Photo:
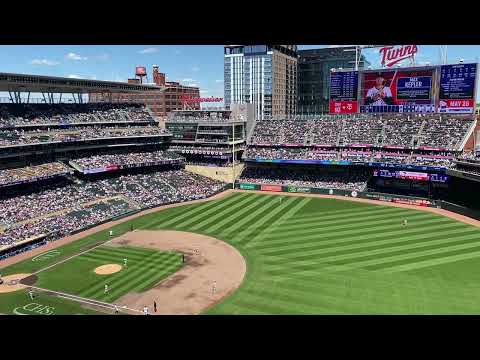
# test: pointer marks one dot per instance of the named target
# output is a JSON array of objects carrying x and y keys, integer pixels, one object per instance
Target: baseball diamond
[
  {"x": 320, "y": 187},
  {"x": 306, "y": 255}
]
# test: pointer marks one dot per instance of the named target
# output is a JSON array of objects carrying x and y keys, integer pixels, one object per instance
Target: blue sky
[{"x": 200, "y": 65}]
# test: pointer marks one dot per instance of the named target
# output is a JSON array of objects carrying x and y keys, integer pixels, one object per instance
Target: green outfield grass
[
  {"x": 145, "y": 268},
  {"x": 320, "y": 256}
]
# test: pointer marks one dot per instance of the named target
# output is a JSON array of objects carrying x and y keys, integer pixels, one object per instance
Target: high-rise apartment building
[
  {"x": 264, "y": 75},
  {"x": 314, "y": 67}
]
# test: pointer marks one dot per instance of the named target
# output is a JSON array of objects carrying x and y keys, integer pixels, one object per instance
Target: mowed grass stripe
[
  {"x": 309, "y": 248},
  {"x": 362, "y": 251},
  {"x": 247, "y": 231},
  {"x": 362, "y": 223},
  {"x": 122, "y": 251},
  {"x": 105, "y": 258},
  {"x": 311, "y": 304},
  {"x": 379, "y": 232},
  {"x": 209, "y": 207},
  {"x": 292, "y": 211},
  {"x": 321, "y": 220},
  {"x": 353, "y": 220},
  {"x": 432, "y": 262},
  {"x": 191, "y": 210},
  {"x": 126, "y": 284},
  {"x": 352, "y": 214},
  {"x": 215, "y": 222},
  {"x": 124, "y": 275},
  {"x": 149, "y": 277},
  {"x": 196, "y": 219},
  {"x": 233, "y": 221},
  {"x": 410, "y": 256},
  {"x": 245, "y": 216},
  {"x": 342, "y": 212}
]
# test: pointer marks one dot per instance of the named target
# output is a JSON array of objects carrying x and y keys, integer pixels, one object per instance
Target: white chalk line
[{"x": 86, "y": 300}]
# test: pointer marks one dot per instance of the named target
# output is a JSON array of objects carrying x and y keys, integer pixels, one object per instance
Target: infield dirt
[{"x": 189, "y": 291}]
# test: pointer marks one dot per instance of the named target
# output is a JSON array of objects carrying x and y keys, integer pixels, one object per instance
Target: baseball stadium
[{"x": 108, "y": 209}]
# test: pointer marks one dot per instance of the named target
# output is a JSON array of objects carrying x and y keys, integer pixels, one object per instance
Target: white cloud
[
  {"x": 73, "y": 76},
  {"x": 150, "y": 50},
  {"x": 195, "y": 68},
  {"x": 188, "y": 80},
  {"x": 219, "y": 81},
  {"x": 337, "y": 46},
  {"x": 75, "y": 57},
  {"x": 44, "y": 62}
]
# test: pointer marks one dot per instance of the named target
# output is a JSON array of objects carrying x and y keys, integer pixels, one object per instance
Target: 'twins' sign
[{"x": 392, "y": 55}]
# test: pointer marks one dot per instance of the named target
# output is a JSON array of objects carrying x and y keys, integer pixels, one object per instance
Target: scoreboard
[
  {"x": 344, "y": 92},
  {"x": 411, "y": 175},
  {"x": 457, "y": 88},
  {"x": 423, "y": 89}
]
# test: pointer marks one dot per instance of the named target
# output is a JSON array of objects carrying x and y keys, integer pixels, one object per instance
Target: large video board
[
  {"x": 457, "y": 88},
  {"x": 399, "y": 90},
  {"x": 344, "y": 92}
]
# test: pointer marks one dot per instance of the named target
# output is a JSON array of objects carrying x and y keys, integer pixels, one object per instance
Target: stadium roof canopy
[{"x": 51, "y": 84}]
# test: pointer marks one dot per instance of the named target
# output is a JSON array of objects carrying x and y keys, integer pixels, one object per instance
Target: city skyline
[{"x": 192, "y": 65}]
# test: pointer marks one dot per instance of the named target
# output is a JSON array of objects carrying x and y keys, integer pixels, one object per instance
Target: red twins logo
[{"x": 392, "y": 55}]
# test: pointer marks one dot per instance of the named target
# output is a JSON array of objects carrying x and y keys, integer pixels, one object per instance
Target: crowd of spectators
[
  {"x": 21, "y": 137},
  {"x": 127, "y": 159},
  {"x": 15, "y": 115},
  {"x": 32, "y": 173},
  {"x": 269, "y": 153},
  {"x": 390, "y": 130},
  {"x": 60, "y": 210},
  {"x": 306, "y": 177}
]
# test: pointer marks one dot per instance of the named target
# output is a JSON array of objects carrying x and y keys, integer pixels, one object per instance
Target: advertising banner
[
  {"x": 398, "y": 91},
  {"x": 248, "y": 186},
  {"x": 457, "y": 88},
  {"x": 294, "y": 189},
  {"x": 273, "y": 188},
  {"x": 344, "y": 92}
]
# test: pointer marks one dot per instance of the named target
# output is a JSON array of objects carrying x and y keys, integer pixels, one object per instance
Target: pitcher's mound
[
  {"x": 12, "y": 283},
  {"x": 108, "y": 269}
]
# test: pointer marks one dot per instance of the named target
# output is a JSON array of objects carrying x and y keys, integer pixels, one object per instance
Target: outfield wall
[{"x": 400, "y": 199}]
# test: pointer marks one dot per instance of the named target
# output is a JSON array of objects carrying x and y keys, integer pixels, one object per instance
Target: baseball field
[{"x": 303, "y": 255}]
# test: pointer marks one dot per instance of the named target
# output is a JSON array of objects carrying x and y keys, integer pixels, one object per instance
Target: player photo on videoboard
[{"x": 398, "y": 91}]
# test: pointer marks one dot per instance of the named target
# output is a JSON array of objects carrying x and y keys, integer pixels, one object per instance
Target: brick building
[{"x": 159, "y": 102}]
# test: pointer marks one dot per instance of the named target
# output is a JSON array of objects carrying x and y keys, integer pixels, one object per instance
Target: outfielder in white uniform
[{"x": 125, "y": 262}]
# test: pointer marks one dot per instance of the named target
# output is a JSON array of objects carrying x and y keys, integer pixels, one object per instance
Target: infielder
[
  {"x": 116, "y": 309},
  {"x": 106, "y": 288},
  {"x": 125, "y": 262},
  {"x": 30, "y": 293},
  {"x": 145, "y": 310},
  {"x": 405, "y": 222},
  {"x": 214, "y": 287},
  {"x": 110, "y": 233}
]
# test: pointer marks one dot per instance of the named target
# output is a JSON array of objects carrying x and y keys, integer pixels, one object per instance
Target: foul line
[
  {"x": 85, "y": 300},
  {"x": 71, "y": 257}
]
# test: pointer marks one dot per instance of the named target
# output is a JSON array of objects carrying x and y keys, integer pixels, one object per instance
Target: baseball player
[
  {"x": 110, "y": 233},
  {"x": 380, "y": 93},
  {"x": 30, "y": 293},
  {"x": 155, "y": 306},
  {"x": 214, "y": 287},
  {"x": 116, "y": 309},
  {"x": 106, "y": 288},
  {"x": 125, "y": 262},
  {"x": 405, "y": 222},
  {"x": 145, "y": 310}
]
